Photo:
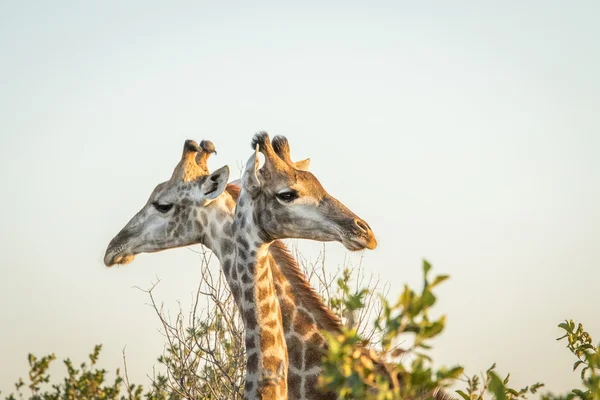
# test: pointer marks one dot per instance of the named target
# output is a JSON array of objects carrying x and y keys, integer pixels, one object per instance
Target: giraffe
[
  {"x": 281, "y": 201},
  {"x": 195, "y": 206}
]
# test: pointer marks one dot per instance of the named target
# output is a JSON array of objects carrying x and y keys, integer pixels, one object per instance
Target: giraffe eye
[
  {"x": 162, "y": 208},
  {"x": 288, "y": 197}
]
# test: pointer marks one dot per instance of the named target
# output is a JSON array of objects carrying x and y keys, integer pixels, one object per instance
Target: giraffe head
[
  {"x": 178, "y": 212},
  {"x": 289, "y": 202}
]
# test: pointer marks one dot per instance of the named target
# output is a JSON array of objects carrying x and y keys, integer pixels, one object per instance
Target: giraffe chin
[
  {"x": 357, "y": 243},
  {"x": 122, "y": 259}
]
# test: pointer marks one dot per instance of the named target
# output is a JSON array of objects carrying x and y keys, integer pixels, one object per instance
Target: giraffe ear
[
  {"x": 215, "y": 183},
  {"x": 302, "y": 165},
  {"x": 250, "y": 182}
]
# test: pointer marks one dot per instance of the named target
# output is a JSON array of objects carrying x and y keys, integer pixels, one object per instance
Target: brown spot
[
  {"x": 316, "y": 340},
  {"x": 263, "y": 275},
  {"x": 248, "y": 387},
  {"x": 246, "y": 279},
  {"x": 294, "y": 346},
  {"x": 310, "y": 387},
  {"x": 235, "y": 291},
  {"x": 312, "y": 357},
  {"x": 250, "y": 342},
  {"x": 243, "y": 242},
  {"x": 250, "y": 268},
  {"x": 267, "y": 390},
  {"x": 179, "y": 232},
  {"x": 227, "y": 266},
  {"x": 271, "y": 363},
  {"x": 226, "y": 247},
  {"x": 250, "y": 319},
  {"x": 252, "y": 364},
  {"x": 227, "y": 228},
  {"x": 303, "y": 323},
  {"x": 267, "y": 340},
  {"x": 265, "y": 308},
  {"x": 271, "y": 324},
  {"x": 204, "y": 218},
  {"x": 249, "y": 295},
  {"x": 287, "y": 310},
  {"x": 263, "y": 293},
  {"x": 294, "y": 382}
]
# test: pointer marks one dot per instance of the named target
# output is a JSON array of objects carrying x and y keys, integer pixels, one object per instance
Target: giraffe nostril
[{"x": 362, "y": 225}]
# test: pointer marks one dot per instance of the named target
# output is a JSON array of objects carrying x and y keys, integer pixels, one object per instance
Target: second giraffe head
[{"x": 289, "y": 202}]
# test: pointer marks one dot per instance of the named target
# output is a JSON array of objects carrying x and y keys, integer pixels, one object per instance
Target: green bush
[{"x": 204, "y": 359}]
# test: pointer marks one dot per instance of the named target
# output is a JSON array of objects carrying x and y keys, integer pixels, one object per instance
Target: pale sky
[{"x": 465, "y": 134}]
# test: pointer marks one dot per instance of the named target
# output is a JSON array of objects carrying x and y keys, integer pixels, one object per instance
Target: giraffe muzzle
[
  {"x": 117, "y": 253},
  {"x": 119, "y": 259},
  {"x": 359, "y": 236}
]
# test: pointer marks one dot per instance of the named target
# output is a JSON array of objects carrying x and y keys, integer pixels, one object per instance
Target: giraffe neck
[
  {"x": 266, "y": 352},
  {"x": 303, "y": 312}
]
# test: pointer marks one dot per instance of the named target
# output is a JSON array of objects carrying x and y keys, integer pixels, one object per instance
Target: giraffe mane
[
  {"x": 234, "y": 191},
  {"x": 305, "y": 292},
  {"x": 440, "y": 394}
]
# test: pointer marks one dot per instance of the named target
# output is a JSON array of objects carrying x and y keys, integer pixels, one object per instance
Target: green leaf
[
  {"x": 577, "y": 364},
  {"x": 463, "y": 394},
  {"x": 497, "y": 387},
  {"x": 428, "y": 299},
  {"x": 565, "y": 326},
  {"x": 439, "y": 279},
  {"x": 455, "y": 372},
  {"x": 426, "y": 267}
]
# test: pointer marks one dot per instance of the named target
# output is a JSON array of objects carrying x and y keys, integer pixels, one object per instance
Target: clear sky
[{"x": 467, "y": 134}]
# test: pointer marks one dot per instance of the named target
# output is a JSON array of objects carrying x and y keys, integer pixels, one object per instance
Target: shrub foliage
[{"x": 204, "y": 357}]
